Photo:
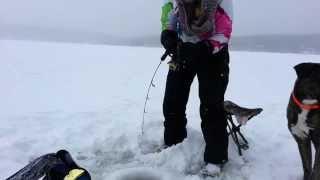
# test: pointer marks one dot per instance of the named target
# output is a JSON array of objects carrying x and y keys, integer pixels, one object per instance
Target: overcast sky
[{"x": 142, "y": 17}]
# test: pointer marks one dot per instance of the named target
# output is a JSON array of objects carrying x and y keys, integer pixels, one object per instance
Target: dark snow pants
[{"x": 213, "y": 75}]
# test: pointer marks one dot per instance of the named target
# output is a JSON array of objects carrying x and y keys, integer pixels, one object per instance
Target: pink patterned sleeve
[{"x": 223, "y": 23}]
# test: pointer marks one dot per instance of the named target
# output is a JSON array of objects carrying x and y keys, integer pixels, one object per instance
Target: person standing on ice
[{"x": 196, "y": 33}]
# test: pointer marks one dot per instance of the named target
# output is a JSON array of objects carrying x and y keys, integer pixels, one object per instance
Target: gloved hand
[
  {"x": 186, "y": 54},
  {"x": 169, "y": 40}
]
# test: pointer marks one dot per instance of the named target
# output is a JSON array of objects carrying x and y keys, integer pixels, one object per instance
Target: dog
[{"x": 303, "y": 114}]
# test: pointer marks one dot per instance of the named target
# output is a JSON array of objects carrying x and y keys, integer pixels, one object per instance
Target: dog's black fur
[{"x": 307, "y": 87}]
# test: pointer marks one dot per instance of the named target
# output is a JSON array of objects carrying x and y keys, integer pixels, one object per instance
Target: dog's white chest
[{"x": 301, "y": 129}]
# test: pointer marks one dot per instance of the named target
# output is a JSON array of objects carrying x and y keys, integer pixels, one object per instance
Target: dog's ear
[{"x": 304, "y": 69}]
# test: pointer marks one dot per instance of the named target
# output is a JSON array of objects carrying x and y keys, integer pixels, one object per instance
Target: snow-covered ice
[{"x": 89, "y": 100}]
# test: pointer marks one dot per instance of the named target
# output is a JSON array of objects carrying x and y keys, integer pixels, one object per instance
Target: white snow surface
[{"x": 89, "y": 100}]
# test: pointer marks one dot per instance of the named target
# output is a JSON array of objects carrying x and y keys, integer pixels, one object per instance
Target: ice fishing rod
[{"x": 163, "y": 57}]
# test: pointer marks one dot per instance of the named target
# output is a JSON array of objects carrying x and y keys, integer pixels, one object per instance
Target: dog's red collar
[{"x": 305, "y": 106}]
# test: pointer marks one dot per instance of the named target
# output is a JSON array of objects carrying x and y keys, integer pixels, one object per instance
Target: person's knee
[{"x": 212, "y": 109}]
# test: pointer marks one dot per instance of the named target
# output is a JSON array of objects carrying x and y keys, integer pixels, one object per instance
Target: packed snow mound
[{"x": 89, "y": 100}]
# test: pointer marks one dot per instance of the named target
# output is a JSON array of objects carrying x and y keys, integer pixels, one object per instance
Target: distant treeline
[{"x": 309, "y": 44}]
